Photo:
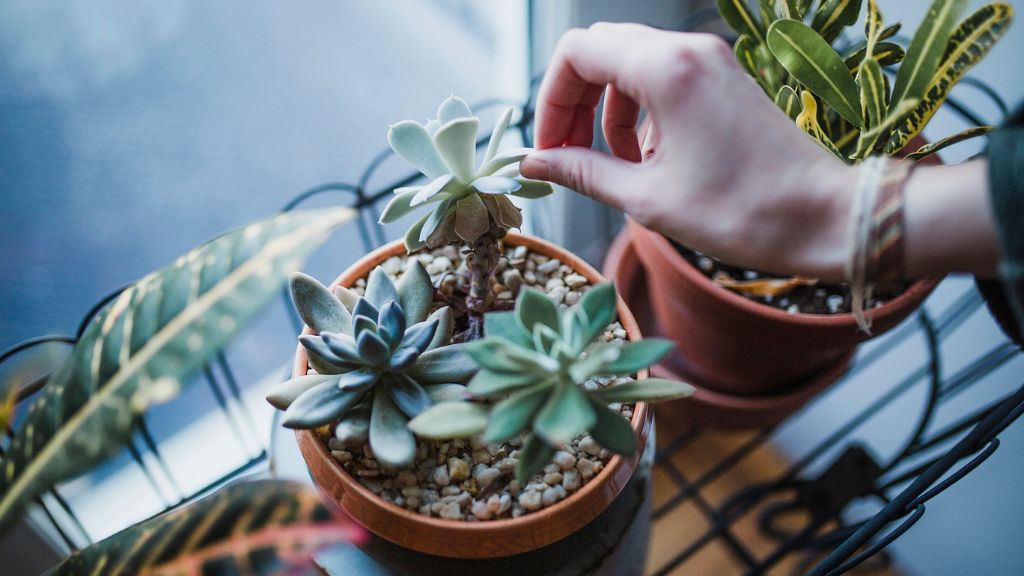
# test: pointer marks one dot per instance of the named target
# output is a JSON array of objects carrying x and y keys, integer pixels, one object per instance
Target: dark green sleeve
[{"x": 1006, "y": 184}]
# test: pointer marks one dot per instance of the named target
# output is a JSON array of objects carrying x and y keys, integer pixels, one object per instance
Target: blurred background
[{"x": 132, "y": 130}]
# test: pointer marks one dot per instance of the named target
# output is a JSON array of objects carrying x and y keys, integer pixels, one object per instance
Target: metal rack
[{"x": 932, "y": 459}]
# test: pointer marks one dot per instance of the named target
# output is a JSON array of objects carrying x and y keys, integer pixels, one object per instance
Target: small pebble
[
  {"x": 458, "y": 470},
  {"x": 441, "y": 477},
  {"x": 530, "y": 500},
  {"x": 553, "y": 494},
  {"x": 451, "y": 511},
  {"x": 571, "y": 480},
  {"x": 481, "y": 510},
  {"x": 590, "y": 446},
  {"x": 564, "y": 460}
]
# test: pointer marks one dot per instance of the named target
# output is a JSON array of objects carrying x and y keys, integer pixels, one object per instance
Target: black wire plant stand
[{"x": 933, "y": 458}]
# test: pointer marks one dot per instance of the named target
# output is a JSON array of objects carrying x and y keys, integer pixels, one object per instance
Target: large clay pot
[{"x": 489, "y": 539}]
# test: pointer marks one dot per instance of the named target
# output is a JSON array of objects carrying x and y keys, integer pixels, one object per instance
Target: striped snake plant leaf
[
  {"x": 970, "y": 42},
  {"x": 834, "y": 15},
  {"x": 247, "y": 528},
  {"x": 872, "y": 92},
  {"x": 817, "y": 66},
  {"x": 926, "y": 50},
  {"x": 807, "y": 120},
  {"x": 788, "y": 101},
  {"x": 739, "y": 17},
  {"x": 932, "y": 148},
  {"x": 139, "y": 350}
]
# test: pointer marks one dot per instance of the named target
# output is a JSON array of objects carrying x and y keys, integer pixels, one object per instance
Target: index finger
[{"x": 584, "y": 62}]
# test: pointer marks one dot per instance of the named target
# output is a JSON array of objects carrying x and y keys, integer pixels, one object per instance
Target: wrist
[{"x": 827, "y": 191}]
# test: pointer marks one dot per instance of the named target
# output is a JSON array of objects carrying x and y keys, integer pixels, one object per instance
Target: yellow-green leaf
[
  {"x": 929, "y": 149},
  {"x": 744, "y": 49},
  {"x": 815, "y": 65},
  {"x": 869, "y": 140},
  {"x": 972, "y": 41},
  {"x": 834, "y": 15},
  {"x": 926, "y": 49},
  {"x": 873, "y": 23},
  {"x": 248, "y": 528},
  {"x": 885, "y": 53},
  {"x": 807, "y": 120},
  {"x": 738, "y": 16},
  {"x": 138, "y": 350},
  {"x": 872, "y": 92}
]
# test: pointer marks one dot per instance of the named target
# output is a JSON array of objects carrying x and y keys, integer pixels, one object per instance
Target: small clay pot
[
  {"x": 485, "y": 539},
  {"x": 712, "y": 406}
]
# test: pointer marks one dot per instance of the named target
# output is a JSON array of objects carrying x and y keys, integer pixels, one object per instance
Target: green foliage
[
  {"x": 140, "y": 349},
  {"x": 377, "y": 358},
  {"x": 852, "y": 113},
  {"x": 470, "y": 200},
  {"x": 247, "y": 528},
  {"x": 533, "y": 364}
]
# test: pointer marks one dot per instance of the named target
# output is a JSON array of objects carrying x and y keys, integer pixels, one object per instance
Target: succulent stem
[{"x": 481, "y": 261}]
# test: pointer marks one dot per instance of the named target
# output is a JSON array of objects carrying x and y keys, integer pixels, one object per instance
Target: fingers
[
  {"x": 605, "y": 178},
  {"x": 619, "y": 124},
  {"x": 583, "y": 64}
]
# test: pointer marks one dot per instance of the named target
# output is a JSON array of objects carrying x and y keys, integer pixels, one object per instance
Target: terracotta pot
[
  {"x": 741, "y": 347},
  {"x": 489, "y": 539},
  {"x": 707, "y": 407}
]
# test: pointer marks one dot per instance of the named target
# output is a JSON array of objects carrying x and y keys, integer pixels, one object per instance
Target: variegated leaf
[
  {"x": 970, "y": 42},
  {"x": 807, "y": 120},
  {"x": 815, "y": 65},
  {"x": 247, "y": 528},
  {"x": 872, "y": 141},
  {"x": 788, "y": 101},
  {"x": 926, "y": 49},
  {"x": 744, "y": 50},
  {"x": 873, "y": 25},
  {"x": 872, "y": 92},
  {"x": 932, "y": 148},
  {"x": 885, "y": 53},
  {"x": 741, "y": 19},
  {"x": 834, "y": 15},
  {"x": 140, "y": 348}
]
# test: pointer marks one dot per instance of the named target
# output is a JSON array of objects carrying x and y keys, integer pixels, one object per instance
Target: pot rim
[
  {"x": 611, "y": 476},
  {"x": 915, "y": 293}
]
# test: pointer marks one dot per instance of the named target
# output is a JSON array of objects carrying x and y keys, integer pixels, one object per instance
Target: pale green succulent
[
  {"x": 380, "y": 360},
  {"x": 471, "y": 199},
  {"x": 534, "y": 361}
]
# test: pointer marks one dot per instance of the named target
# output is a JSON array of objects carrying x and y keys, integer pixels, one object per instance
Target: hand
[{"x": 721, "y": 170}]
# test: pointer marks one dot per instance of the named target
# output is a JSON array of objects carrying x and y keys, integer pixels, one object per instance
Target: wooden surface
[{"x": 687, "y": 522}]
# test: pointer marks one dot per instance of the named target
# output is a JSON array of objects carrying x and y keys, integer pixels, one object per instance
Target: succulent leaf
[
  {"x": 372, "y": 348},
  {"x": 450, "y": 420},
  {"x": 513, "y": 415},
  {"x": 488, "y": 383},
  {"x": 566, "y": 414},
  {"x": 403, "y": 358},
  {"x": 380, "y": 289},
  {"x": 453, "y": 108},
  {"x": 532, "y": 458},
  {"x": 497, "y": 134},
  {"x": 342, "y": 345},
  {"x": 445, "y": 327},
  {"x": 433, "y": 191},
  {"x": 318, "y": 307},
  {"x": 391, "y": 441},
  {"x": 599, "y": 305},
  {"x": 412, "y": 235},
  {"x": 391, "y": 325},
  {"x": 398, "y": 206},
  {"x": 456, "y": 144},
  {"x": 505, "y": 325},
  {"x": 496, "y": 185},
  {"x": 416, "y": 293},
  {"x": 612, "y": 431},
  {"x": 347, "y": 297},
  {"x": 648, "y": 390},
  {"x": 407, "y": 394},
  {"x": 321, "y": 405},
  {"x": 471, "y": 220},
  {"x": 501, "y": 160},
  {"x": 635, "y": 356},
  {"x": 533, "y": 307},
  {"x": 509, "y": 215},
  {"x": 412, "y": 142},
  {"x": 365, "y": 309},
  {"x": 443, "y": 365},
  {"x": 435, "y": 218},
  {"x": 282, "y": 395},
  {"x": 501, "y": 355},
  {"x": 420, "y": 336},
  {"x": 322, "y": 358},
  {"x": 361, "y": 379},
  {"x": 354, "y": 428},
  {"x": 445, "y": 392},
  {"x": 361, "y": 323},
  {"x": 532, "y": 189}
]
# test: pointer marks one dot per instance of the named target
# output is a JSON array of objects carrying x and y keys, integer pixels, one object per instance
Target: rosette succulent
[
  {"x": 534, "y": 362},
  {"x": 471, "y": 201},
  {"x": 379, "y": 360}
]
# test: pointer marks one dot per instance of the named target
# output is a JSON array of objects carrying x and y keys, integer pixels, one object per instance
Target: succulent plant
[
  {"x": 379, "y": 360},
  {"x": 471, "y": 200},
  {"x": 534, "y": 362},
  {"x": 843, "y": 99}
]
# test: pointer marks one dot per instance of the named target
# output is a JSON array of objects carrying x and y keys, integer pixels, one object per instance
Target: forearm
[{"x": 948, "y": 222}]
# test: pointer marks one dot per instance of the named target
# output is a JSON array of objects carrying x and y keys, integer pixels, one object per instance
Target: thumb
[{"x": 601, "y": 176}]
